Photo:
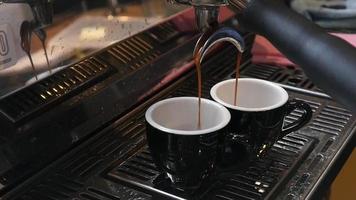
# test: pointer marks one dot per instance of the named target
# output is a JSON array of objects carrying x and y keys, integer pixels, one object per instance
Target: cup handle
[{"x": 304, "y": 119}]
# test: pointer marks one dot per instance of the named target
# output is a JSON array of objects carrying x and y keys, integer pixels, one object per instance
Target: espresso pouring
[{"x": 197, "y": 59}]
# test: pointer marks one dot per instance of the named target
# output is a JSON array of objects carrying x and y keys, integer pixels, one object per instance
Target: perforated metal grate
[
  {"x": 73, "y": 174},
  {"x": 34, "y": 98},
  {"x": 258, "y": 181},
  {"x": 117, "y": 142},
  {"x": 140, "y": 167},
  {"x": 54, "y": 187},
  {"x": 95, "y": 194},
  {"x": 133, "y": 53},
  {"x": 331, "y": 120}
]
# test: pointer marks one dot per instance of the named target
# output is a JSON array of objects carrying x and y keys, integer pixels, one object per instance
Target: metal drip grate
[
  {"x": 28, "y": 101},
  {"x": 95, "y": 194},
  {"x": 132, "y": 53},
  {"x": 59, "y": 190},
  {"x": 140, "y": 167},
  {"x": 331, "y": 120},
  {"x": 73, "y": 173},
  {"x": 54, "y": 187},
  {"x": 259, "y": 180},
  {"x": 117, "y": 142},
  {"x": 262, "y": 179}
]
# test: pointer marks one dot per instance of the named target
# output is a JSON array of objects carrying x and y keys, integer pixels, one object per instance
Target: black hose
[{"x": 329, "y": 61}]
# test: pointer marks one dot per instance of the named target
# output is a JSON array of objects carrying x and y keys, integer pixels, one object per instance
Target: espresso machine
[{"x": 79, "y": 133}]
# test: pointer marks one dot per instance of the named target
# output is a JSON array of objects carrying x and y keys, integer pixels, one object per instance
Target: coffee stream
[
  {"x": 237, "y": 76},
  {"x": 42, "y": 36},
  {"x": 197, "y": 59},
  {"x": 43, "y": 41}
]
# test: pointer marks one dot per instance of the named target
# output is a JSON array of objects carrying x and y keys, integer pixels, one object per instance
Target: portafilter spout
[
  {"x": 43, "y": 12},
  {"x": 206, "y": 11}
]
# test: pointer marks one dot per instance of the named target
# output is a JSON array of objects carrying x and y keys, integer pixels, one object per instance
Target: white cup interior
[
  {"x": 180, "y": 116},
  {"x": 253, "y": 94}
]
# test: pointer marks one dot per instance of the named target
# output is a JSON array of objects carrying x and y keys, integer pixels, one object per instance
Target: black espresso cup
[
  {"x": 185, "y": 153},
  {"x": 257, "y": 121}
]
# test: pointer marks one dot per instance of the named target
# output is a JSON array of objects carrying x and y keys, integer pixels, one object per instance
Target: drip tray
[{"x": 261, "y": 179}]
